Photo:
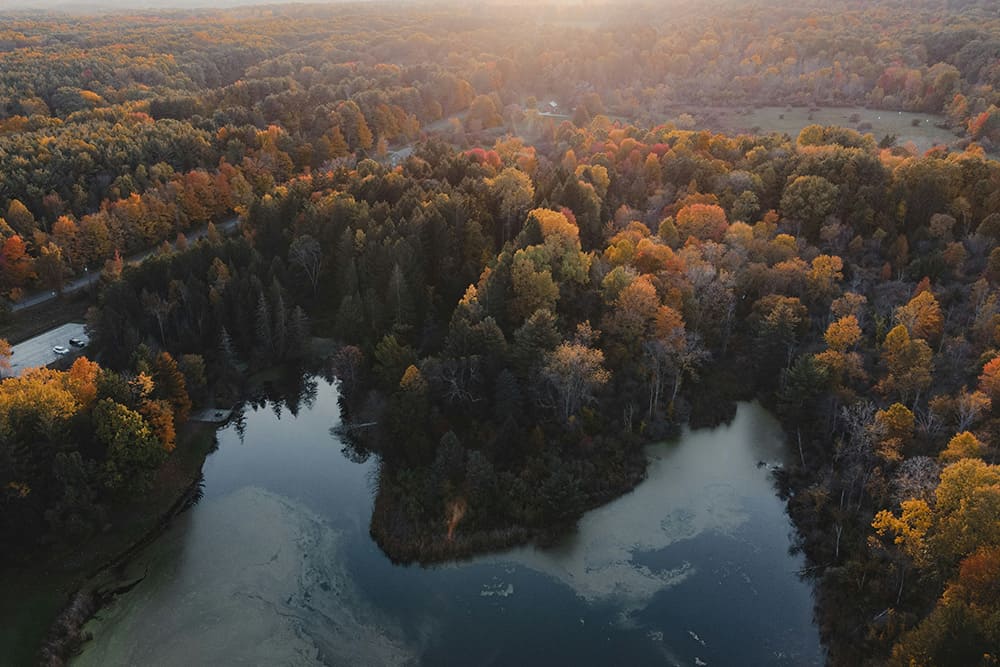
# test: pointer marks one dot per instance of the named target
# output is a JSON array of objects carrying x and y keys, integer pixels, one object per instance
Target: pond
[{"x": 275, "y": 566}]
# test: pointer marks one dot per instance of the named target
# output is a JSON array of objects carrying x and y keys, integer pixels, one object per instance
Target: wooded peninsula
[{"x": 528, "y": 240}]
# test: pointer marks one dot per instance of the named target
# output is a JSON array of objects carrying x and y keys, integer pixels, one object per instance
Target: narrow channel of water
[{"x": 275, "y": 566}]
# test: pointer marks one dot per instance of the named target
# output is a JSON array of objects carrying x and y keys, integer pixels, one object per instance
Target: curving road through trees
[{"x": 90, "y": 277}]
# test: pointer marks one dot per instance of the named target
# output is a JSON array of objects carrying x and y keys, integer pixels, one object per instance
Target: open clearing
[{"x": 924, "y": 135}]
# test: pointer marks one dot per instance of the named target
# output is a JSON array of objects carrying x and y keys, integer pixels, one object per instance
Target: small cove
[{"x": 275, "y": 565}]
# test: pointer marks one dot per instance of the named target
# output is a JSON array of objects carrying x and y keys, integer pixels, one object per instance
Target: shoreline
[
  {"x": 65, "y": 636},
  {"x": 391, "y": 532},
  {"x": 403, "y": 541},
  {"x": 711, "y": 404},
  {"x": 80, "y": 587}
]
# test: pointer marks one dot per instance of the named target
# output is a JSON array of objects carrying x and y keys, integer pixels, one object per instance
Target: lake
[{"x": 275, "y": 566}]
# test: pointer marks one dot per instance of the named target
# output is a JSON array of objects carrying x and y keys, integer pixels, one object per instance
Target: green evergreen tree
[{"x": 262, "y": 328}]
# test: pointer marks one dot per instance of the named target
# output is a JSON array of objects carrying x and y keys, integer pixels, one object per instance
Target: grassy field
[{"x": 918, "y": 128}]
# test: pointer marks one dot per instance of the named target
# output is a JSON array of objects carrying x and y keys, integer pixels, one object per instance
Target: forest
[{"x": 530, "y": 262}]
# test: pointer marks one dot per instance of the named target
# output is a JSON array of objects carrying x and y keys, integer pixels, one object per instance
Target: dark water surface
[{"x": 275, "y": 567}]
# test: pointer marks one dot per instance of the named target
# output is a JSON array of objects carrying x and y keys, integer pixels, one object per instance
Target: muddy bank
[
  {"x": 277, "y": 593},
  {"x": 276, "y": 565},
  {"x": 66, "y": 634}
]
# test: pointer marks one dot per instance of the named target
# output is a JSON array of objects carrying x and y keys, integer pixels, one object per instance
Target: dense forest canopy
[{"x": 531, "y": 262}]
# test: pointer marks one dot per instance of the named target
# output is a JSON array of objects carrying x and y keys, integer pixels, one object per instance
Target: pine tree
[
  {"x": 262, "y": 327},
  {"x": 506, "y": 396},
  {"x": 226, "y": 351},
  {"x": 350, "y": 320},
  {"x": 399, "y": 302},
  {"x": 279, "y": 320},
  {"x": 537, "y": 336},
  {"x": 298, "y": 332}
]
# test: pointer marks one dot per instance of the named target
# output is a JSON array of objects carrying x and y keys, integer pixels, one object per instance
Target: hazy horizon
[
  {"x": 115, "y": 5},
  {"x": 18, "y": 6}
]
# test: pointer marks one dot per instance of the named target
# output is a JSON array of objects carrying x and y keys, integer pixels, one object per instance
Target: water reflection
[{"x": 275, "y": 565}]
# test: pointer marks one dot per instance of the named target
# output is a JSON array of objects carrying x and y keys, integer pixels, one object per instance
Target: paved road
[
  {"x": 91, "y": 277},
  {"x": 37, "y": 351}
]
